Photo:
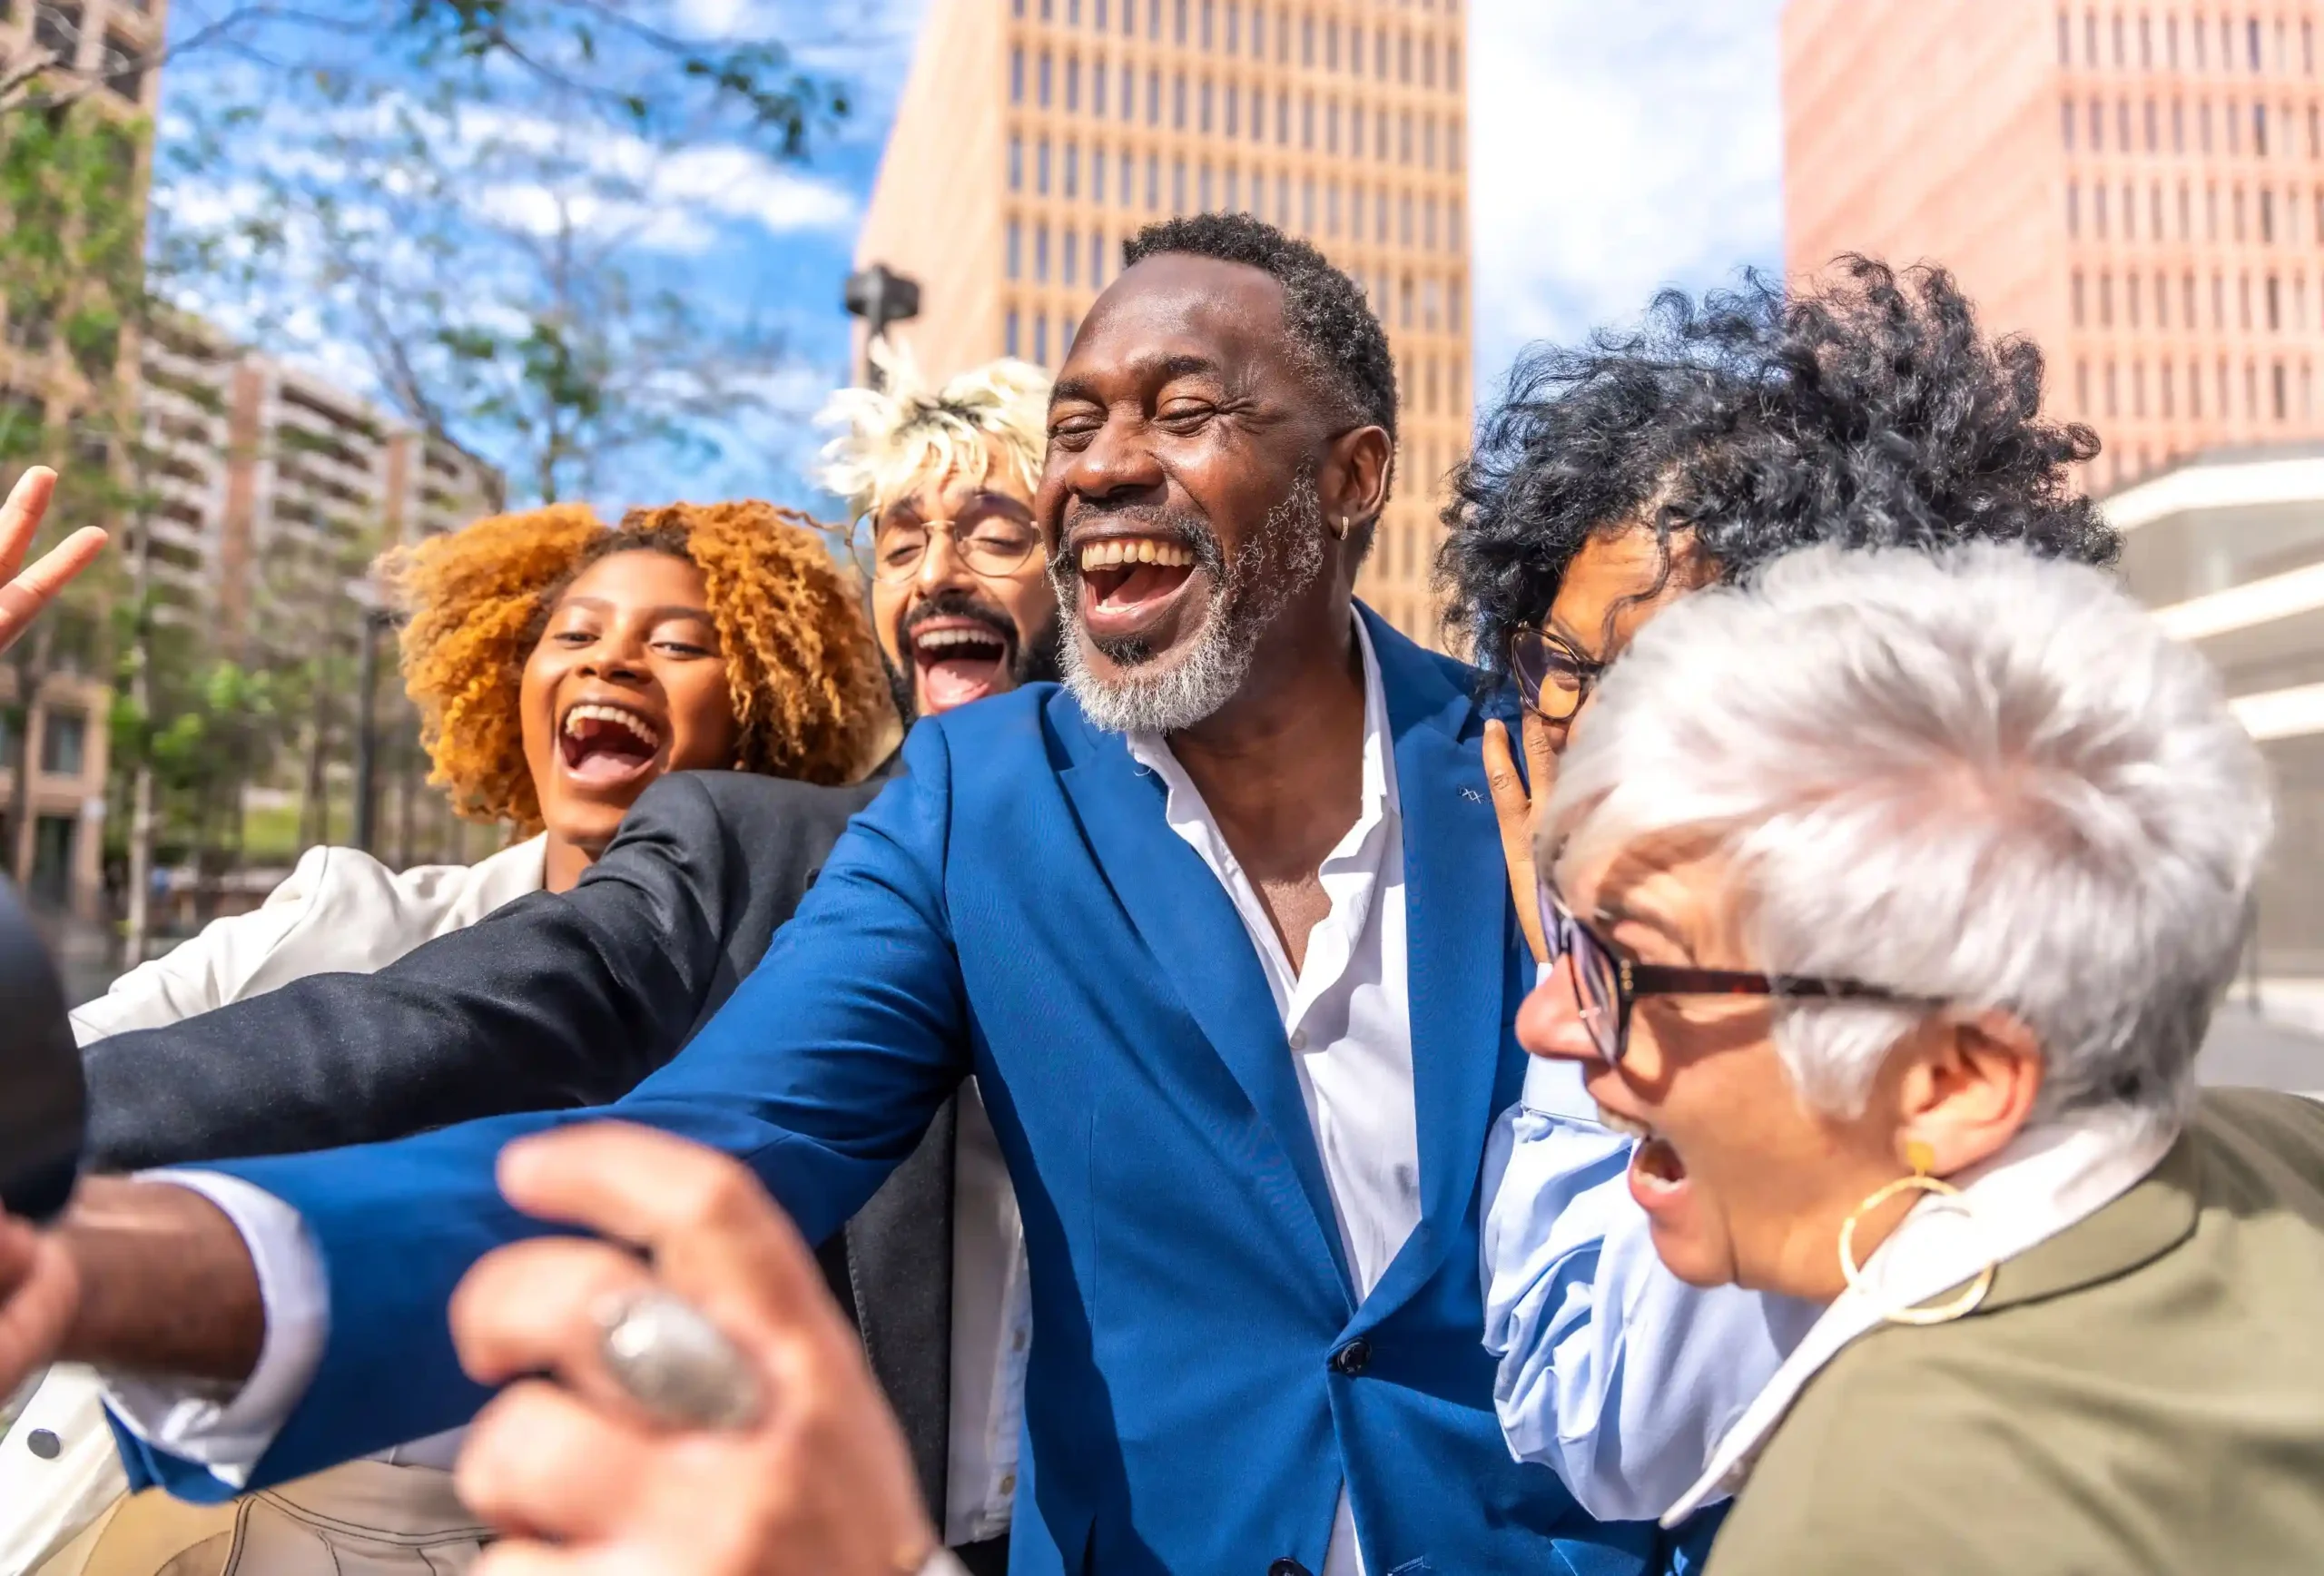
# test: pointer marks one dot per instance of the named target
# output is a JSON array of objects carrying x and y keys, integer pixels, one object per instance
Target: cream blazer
[{"x": 339, "y": 911}]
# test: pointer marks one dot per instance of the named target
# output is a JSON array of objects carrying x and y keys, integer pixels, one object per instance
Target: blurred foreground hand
[
  {"x": 23, "y": 596},
  {"x": 573, "y": 1471}
]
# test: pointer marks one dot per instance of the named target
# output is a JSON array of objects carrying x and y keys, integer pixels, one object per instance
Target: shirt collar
[
  {"x": 2042, "y": 1183},
  {"x": 1152, "y": 750}
]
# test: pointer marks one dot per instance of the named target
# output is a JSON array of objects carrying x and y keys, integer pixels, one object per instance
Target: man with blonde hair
[{"x": 938, "y": 484}]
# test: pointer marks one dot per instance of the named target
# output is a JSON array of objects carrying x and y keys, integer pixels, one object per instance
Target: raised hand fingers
[
  {"x": 538, "y": 1457},
  {"x": 531, "y": 1308},
  {"x": 1514, "y": 812},
  {"x": 22, "y": 598},
  {"x": 715, "y": 1236},
  {"x": 21, "y": 516}
]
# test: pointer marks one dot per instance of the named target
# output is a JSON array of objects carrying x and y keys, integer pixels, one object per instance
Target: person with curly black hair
[{"x": 1718, "y": 435}]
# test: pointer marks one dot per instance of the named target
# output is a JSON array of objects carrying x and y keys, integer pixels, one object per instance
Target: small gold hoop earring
[
  {"x": 1345, "y": 526},
  {"x": 1922, "y": 1158}
]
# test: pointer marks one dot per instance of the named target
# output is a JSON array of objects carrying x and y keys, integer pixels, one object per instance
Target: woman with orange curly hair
[{"x": 560, "y": 667}]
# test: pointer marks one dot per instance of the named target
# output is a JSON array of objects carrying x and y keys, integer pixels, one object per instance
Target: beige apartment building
[
  {"x": 2139, "y": 187},
  {"x": 1035, "y": 135}
]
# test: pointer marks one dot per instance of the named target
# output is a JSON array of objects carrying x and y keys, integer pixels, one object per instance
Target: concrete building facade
[
  {"x": 2227, "y": 547},
  {"x": 1035, "y": 135},
  {"x": 2138, "y": 186}
]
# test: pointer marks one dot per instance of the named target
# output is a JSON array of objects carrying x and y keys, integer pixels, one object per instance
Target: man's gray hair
[{"x": 1980, "y": 776}]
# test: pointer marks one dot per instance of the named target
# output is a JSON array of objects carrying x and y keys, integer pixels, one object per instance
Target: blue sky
[{"x": 1616, "y": 148}]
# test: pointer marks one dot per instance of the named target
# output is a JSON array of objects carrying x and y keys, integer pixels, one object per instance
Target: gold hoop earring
[
  {"x": 1922, "y": 1158},
  {"x": 1345, "y": 526}
]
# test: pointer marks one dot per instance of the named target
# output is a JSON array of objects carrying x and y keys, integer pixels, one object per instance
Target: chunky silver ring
[{"x": 678, "y": 1365}]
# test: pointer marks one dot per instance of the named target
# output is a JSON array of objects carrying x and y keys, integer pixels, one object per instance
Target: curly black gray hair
[
  {"x": 1323, "y": 310},
  {"x": 1870, "y": 412}
]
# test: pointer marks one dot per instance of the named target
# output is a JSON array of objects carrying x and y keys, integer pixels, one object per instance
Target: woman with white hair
[{"x": 1888, "y": 897}]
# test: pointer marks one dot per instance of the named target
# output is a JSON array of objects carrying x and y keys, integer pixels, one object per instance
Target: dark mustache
[{"x": 955, "y": 603}]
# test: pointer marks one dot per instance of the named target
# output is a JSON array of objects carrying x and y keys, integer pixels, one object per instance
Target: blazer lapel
[
  {"x": 1459, "y": 929},
  {"x": 1197, "y": 936}
]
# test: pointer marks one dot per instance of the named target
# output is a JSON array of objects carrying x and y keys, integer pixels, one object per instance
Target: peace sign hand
[{"x": 23, "y": 596}]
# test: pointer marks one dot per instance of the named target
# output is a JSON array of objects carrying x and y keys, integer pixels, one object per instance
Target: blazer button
[
  {"x": 1286, "y": 1566},
  {"x": 1352, "y": 1358},
  {"x": 45, "y": 1445}
]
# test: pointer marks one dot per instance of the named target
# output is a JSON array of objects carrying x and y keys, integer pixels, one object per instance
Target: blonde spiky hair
[{"x": 893, "y": 439}]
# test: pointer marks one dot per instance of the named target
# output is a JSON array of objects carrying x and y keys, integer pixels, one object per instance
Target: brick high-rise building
[
  {"x": 1035, "y": 135},
  {"x": 2139, "y": 187}
]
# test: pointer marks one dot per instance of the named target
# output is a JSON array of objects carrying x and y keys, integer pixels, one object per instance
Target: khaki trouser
[{"x": 364, "y": 1518}]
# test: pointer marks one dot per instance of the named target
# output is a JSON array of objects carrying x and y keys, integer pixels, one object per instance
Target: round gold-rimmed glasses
[{"x": 993, "y": 544}]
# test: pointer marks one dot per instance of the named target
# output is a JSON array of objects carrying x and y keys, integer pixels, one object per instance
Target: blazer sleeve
[
  {"x": 820, "y": 1072},
  {"x": 549, "y": 1001}
]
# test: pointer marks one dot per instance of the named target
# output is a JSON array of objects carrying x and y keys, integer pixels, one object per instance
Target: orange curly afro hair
[{"x": 800, "y": 668}]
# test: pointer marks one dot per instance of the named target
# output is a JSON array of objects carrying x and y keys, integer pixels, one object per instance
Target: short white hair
[
  {"x": 898, "y": 437},
  {"x": 1980, "y": 776}
]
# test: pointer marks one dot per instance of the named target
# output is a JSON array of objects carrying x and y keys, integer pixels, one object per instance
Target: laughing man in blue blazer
[{"x": 1220, "y": 928}]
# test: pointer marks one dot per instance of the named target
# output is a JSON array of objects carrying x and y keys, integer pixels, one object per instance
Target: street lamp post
[{"x": 879, "y": 296}]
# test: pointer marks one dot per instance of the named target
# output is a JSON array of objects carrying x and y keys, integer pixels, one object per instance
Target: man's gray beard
[{"x": 1270, "y": 568}]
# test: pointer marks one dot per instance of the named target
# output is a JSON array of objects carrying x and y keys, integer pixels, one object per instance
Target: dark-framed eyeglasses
[
  {"x": 1606, "y": 985},
  {"x": 1553, "y": 678},
  {"x": 993, "y": 544}
]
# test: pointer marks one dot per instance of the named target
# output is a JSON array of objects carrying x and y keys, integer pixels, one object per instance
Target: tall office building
[
  {"x": 1034, "y": 135},
  {"x": 2139, "y": 187}
]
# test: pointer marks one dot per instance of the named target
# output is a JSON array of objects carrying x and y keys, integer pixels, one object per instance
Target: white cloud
[{"x": 1615, "y": 149}]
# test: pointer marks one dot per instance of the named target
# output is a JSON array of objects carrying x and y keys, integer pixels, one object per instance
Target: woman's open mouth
[
  {"x": 1658, "y": 1177},
  {"x": 609, "y": 744},
  {"x": 956, "y": 661},
  {"x": 1128, "y": 583}
]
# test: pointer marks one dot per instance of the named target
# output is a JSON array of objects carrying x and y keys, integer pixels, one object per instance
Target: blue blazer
[{"x": 1015, "y": 907}]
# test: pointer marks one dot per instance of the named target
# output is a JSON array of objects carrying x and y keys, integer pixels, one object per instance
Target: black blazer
[{"x": 558, "y": 1002}]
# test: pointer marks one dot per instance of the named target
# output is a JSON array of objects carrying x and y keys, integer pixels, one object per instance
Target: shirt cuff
[{"x": 229, "y": 1437}]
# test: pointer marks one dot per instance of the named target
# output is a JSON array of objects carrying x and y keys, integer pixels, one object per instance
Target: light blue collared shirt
[{"x": 1614, "y": 1372}]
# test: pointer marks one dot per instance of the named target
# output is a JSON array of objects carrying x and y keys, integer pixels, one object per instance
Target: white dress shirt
[{"x": 1347, "y": 1013}]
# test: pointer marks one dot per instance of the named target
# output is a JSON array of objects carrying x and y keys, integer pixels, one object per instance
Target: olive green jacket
[{"x": 2142, "y": 1393}]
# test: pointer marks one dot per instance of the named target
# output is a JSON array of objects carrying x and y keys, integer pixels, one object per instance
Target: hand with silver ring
[{"x": 709, "y": 1410}]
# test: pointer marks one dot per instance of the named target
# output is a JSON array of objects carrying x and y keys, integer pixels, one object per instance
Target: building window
[
  {"x": 2106, "y": 300},
  {"x": 2098, "y": 210},
  {"x": 1231, "y": 96},
  {"x": 2076, "y": 290},
  {"x": 1428, "y": 142},
  {"x": 2267, "y": 216},
  {"x": 1097, "y": 174},
  {"x": 2097, "y": 126},
  {"x": 2171, "y": 41},
  {"x": 125, "y": 71},
  {"x": 1097, "y": 88},
  {"x": 1154, "y": 98},
  {"x": 2112, "y": 404},
  {"x": 2073, "y": 207},
  {"x": 2194, "y": 391},
  {"x": 1041, "y": 254},
  {"x": 1178, "y": 102},
  {"x": 2260, "y": 131},
  {"x": 54, "y": 837},
  {"x": 2275, "y": 305},
  {"x": 2122, "y": 124},
  {"x": 1307, "y": 40},
  {"x": 1013, "y": 249},
  {"x": 1205, "y": 122},
  {"x": 1234, "y": 25},
  {"x": 1178, "y": 23},
  {"x": 2067, "y": 118},
  {"x": 2138, "y": 390},
  {"x": 64, "y": 744},
  {"x": 1129, "y": 179},
  {"x": 1068, "y": 257},
  {"x": 1154, "y": 20},
  {"x": 2203, "y": 126},
  {"x": 1177, "y": 186},
  {"x": 2178, "y": 126},
  {"x": 1202, "y": 190},
  {"x": 2082, "y": 388},
  {"x": 1041, "y": 338},
  {"x": 2154, "y": 128},
  {"x": 1041, "y": 166},
  {"x": 1097, "y": 260},
  {"x": 1234, "y": 203},
  {"x": 1332, "y": 127},
  {"x": 2163, "y": 387},
  {"x": 1153, "y": 182},
  {"x": 1072, "y": 83},
  {"x": 1452, "y": 320},
  {"x": 2065, "y": 40},
  {"x": 1072, "y": 184},
  {"x": 1258, "y": 32},
  {"x": 1016, "y": 163},
  {"x": 1283, "y": 120},
  {"x": 2162, "y": 301},
  {"x": 1016, "y": 76}
]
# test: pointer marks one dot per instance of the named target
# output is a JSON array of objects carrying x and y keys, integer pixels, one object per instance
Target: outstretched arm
[{"x": 552, "y": 1002}]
